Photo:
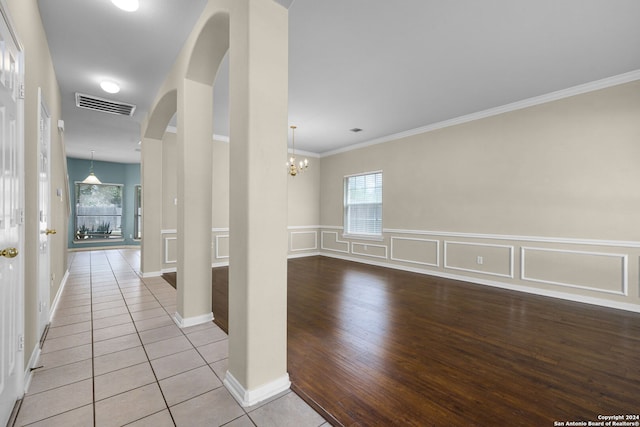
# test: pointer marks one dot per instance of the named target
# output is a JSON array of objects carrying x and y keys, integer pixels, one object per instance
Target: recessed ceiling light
[
  {"x": 128, "y": 5},
  {"x": 110, "y": 87}
]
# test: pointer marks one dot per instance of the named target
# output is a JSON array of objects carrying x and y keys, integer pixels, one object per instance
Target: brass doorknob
[
  {"x": 47, "y": 232},
  {"x": 9, "y": 252}
]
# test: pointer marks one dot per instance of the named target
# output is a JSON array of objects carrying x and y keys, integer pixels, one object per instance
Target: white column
[
  {"x": 258, "y": 201},
  {"x": 151, "y": 181},
  {"x": 194, "y": 151}
]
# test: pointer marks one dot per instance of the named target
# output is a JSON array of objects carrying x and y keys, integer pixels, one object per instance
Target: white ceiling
[{"x": 383, "y": 66}]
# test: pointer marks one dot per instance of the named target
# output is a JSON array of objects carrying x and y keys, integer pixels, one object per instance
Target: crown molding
[{"x": 514, "y": 106}]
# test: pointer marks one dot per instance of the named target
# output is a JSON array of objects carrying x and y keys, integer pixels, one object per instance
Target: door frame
[{"x": 44, "y": 278}]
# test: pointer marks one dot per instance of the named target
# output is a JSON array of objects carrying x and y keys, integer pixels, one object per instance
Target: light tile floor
[{"x": 113, "y": 356}]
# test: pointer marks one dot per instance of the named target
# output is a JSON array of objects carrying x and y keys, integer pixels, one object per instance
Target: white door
[
  {"x": 44, "y": 190},
  {"x": 11, "y": 232}
]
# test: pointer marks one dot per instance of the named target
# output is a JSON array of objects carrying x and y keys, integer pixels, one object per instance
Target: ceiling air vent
[{"x": 104, "y": 105}]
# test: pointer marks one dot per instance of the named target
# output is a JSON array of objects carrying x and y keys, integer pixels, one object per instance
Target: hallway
[{"x": 113, "y": 356}]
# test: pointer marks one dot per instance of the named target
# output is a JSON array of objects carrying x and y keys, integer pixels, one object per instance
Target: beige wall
[
  {"x": 39, "y": 73},
  {"x": 303, "y": 206},
  {"x": 546, "y": 195}
]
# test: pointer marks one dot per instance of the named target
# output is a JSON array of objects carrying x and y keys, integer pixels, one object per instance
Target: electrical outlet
[{"x": 479, "y": 260}]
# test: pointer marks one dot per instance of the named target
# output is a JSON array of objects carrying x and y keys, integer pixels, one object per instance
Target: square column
[
  {"x": 258, "y": 201},
  {"x": 151, "y": 174},
  {"x": 194, "y": 154}
]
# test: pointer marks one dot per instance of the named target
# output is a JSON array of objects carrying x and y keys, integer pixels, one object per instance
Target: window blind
[{"x": 363, "y": 204}]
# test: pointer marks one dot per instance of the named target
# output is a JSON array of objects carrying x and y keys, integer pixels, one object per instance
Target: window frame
[
  {"x": 87, "y": 237},
  {"x": 346, "y": 229}
]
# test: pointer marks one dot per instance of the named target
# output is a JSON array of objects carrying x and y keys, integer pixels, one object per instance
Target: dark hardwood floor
[{"x": 381, "y": 347}]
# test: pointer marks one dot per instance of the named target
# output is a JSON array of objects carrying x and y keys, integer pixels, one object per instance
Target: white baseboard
[
  {"x": 191, "y": 321},
  {"x": 251, "y": 397},
  {"x": 152, "y": 274},
  {"x": 28, "y": 370},
  {"x": 513, "y": 287},
  {"x": 56, "y": 300},
  {"x": 304, "y": 255}
]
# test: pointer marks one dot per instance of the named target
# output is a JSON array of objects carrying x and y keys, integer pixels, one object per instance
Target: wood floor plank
[{"x": 381, "y": 347}]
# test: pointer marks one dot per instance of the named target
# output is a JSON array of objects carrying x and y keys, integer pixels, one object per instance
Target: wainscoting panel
[
  {"x": 222, "y": 246},
  {"x": 594, "y": 271},
  {"x": 483, "y": 258},
  {"x": 329, "y": 241},
  {"x": 369, "y": 250},
  {"x": 416, "y": 251},
  {"x": 170, "y": 250},
  {"x": 303, "y": 241}
]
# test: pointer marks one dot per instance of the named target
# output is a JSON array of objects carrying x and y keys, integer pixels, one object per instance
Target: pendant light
[{"x": 91, "y": 178}]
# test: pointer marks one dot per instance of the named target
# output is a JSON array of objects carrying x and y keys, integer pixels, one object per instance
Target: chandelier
[{"x": 292, "y": 168}]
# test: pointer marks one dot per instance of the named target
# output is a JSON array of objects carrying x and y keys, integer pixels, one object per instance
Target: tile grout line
[
  {"x": 93, "y": 371},
  {"x": 138, "y": 333}
]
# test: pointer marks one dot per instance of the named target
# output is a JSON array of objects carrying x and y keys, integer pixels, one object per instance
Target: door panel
[{"x": 11, "y": 233}]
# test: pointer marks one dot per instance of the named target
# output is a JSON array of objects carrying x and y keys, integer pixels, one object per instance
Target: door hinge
[
  {"x": 20, "y": 215},
  {"x": 20, "y": 342},
  {"x": 21, "y": 91}
]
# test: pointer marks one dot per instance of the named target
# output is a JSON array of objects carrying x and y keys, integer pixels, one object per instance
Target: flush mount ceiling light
[
  {"x": 128, "y": 5},
  {"x": 109, "y": 87}
]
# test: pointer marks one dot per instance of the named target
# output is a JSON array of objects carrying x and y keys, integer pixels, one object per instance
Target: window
[
  {"x": 98, "y": 211},
  {"x": 137, "y": 213},
  {"x": 363, "y": 204}
]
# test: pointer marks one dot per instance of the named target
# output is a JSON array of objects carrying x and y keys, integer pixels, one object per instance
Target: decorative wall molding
[
  {"x": 365, "y": 246},
  {"x": 624, "y": 274},
  {"x": 471, "y": 270},
  {"x": 218, "y": 237},
  {"x": 437, "y": 242},
  {"x": 169, "y": 231},
  {"x": 514, "y": 106},
  {"x": 338, "y": 241},
  {"x": 559, "y": 240},
  {"x": 294, "y": 233},
  {"x": 166, "y": 250},
  {"x": 526, "y": 289}
]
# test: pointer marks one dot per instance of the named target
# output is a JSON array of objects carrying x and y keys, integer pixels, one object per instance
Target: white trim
[
  {"x": 514, "y": 106},
  {"x": 369, "y": 237},
  {"x": 625, "y": 270},
  {"x": 191, "y": 321},
  {"x": 28, "y": 371},
  {"x": 302, "y": 227},
  {"x": 437, "y": 242},
  {"x": 220, "y": 264},
  {"x": 218, "y": 256},
  {"x": 331, "y": 227},
  {"x": 304, "y": 255},
  {"x": 337, "y": 241},
  {"x": 471, "y": 270},
  {"x": 220, "y": 230},
  {"x": 365, "y": 248},
  {"x": 56, "y": 300},
  {"x": 315, "y": 241},
  {"x": 169, "y": 231},
  {"x": 563, "y": 240},
  {"x": 153, "y": 274},
  {"x": 535, "y": 291},
  {"x": 166, "y": 250},
  {"x": 252, "y": 397},
  {"x": 305, "y": 153}
]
